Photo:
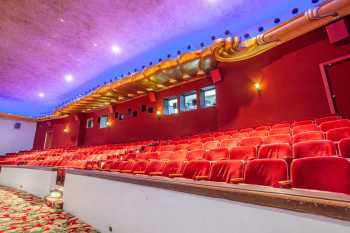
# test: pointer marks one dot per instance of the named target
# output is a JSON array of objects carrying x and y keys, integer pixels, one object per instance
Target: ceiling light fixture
[
  {"x": 69, "y": 78},
  {"x": 116, "y": 49},
  {"x": 41, "y": 94}
]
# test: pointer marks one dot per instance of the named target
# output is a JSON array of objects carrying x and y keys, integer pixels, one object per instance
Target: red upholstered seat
[
  {"x": 338, "y": 133},
  {"x": 303, "y": 122},
  {"x": 155, "y": 167},
  {"x": 180, "y": 147},
  {"x": 211, "y": 145},
  {"x": 277, "y": 138},
  {"x": 126, "y": 166},
  {"x": 281, "y": 125},
  {"x": 147, "y": 156},
  {"x": 263, "y": 127},
  {"x": 166, "y": 148},
  {"x": 223, "y": 137},
  {"x": 275, "y": 151},
  {"x": 304, "y": 128},
  {"x": 344, "y": 148},
  {"x": 224, "y": 171},
  {"x": 251, "y": 141},
  {"x": 246, "y": 130},
  {"x": 327, "y": 118},
  {"x": 217, "y": 154},
  {"x": 325, "y": 126},
  {"x": 179, "y": 155},
  {"x": 207, "y": 139},
  {"x": 321, "y": 173},
  {"x": 284, "y": 130},
  {"x": 195, "y": 146},
  {"x": 139, "y": 167},
  {"x": 195, "y": 155},
  {"x": 266, "y": 172},
  {"x": 314, "y": 148},
  {"x": 195, "y": 169},
  {"x": 173, "y": 167},
  {"x": 166, "y": 155},
  {"x": 229, "y": 143},
  {"x": 259, "y": 133},
  {"x": 308, "y": 136},
  {"x": 243, "y": 153}
]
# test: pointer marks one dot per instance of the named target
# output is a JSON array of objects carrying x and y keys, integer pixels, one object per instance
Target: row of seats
[{"x": 222, "y": 156}]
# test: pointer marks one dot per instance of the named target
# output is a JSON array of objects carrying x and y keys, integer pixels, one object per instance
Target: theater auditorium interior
[{"x": 169, "y": 116}]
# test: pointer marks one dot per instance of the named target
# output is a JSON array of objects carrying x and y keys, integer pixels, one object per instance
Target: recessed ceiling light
[
  {"x": 61, "y": 20},
  {"x": 116, "y": 49},
  {"x": 41, "y": 94},
  {"x": 95, "y": 44},
  {"x": 69, "y": 78}
]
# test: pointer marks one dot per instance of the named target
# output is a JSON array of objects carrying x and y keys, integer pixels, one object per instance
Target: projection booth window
[
  {"x": 90, "y": 123},
  {"x": 170, "y": 106},
  {"x": 103, "y": 121},
  {"x": 188, "y": 101},
  {"x": 208, "y": 97}
]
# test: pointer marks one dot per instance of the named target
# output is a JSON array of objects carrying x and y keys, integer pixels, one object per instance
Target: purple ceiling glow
[{"x": 90, "y": 42}]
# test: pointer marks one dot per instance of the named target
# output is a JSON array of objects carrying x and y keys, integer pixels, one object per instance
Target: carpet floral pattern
[{"x": 21, "y": 212}]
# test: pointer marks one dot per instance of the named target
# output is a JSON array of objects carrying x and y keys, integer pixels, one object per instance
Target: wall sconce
[
  {"x": 159, "y": 114},
  {"x": 257, "y": 87},
  {"x": 66, "y": 129}
]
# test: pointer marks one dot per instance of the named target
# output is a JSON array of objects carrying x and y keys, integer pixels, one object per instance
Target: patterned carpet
[{"x": 22, "y": 212}]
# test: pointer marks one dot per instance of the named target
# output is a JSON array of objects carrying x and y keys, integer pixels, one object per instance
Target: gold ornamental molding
[{"x": 233, "y": 50}]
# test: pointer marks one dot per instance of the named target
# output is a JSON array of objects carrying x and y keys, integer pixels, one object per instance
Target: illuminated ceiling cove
[{"x": 54, "y": 51}]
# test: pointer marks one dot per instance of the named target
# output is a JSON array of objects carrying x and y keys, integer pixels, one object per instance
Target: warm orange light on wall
[
  {"x": 159, "y": 113},
  {"x": 257, "y": 86},
  {"x": 66, "y": 129}
]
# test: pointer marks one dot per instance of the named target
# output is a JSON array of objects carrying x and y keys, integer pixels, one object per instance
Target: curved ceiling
[{"x": 43, "y": 41}]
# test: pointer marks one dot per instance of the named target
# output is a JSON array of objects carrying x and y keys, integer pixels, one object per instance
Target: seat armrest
[
  {"x": 139, "y": 172},
  {"x": 201, "y": 177},
  {"x": 155, "y": 173},
  {"x": 175, "y": 175},
  {"x": 236, "y": 180},
  {"x": 286, "y": 184},
  {"x": 126, "y": 171}
]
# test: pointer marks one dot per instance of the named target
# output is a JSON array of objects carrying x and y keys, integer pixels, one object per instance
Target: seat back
[
  {"x": 196, "y": 168},
  {"x": 314, "y": 148},
  {"x": 259, "y": 133},
  {"x": 243, "y": 153},
  {"x": 179, "y": 155},
  {"x": 251, "y": 141},
  {"x": 266, "y": 172},
  {"x": 303, "y": 122},
  {"x": 284, "y": 130},
  {"x": 139, "y": 166},
  {"x": 224, "y": 171},
  {"x": 277, "y": 138},
  {"x": 195, "y": 155},
  {"x": 321, "y": 173},
  {"x": 147, "y": 156},
  {"x": 173, "y": 167},
  {"x": 304, "y": 128},
  {"x": 229, "y": 143},
  {"x": 325, "y": 126},
  {"x": 195, "y": 146},
  {"x": 308, "y": 136},
  {"x": 166, "y": 155},
  {"x": 344, "y": 148},
  {"x": 280, "y": 125},
  {"x": 325, "y": 119},
  {"x": 155, "y": 166},
  {"x": 217, "y": 154},
  {"x": 338, "y": 133},
  {"x": 211, "y": 145},
  {"x": 275, "y": 151}
]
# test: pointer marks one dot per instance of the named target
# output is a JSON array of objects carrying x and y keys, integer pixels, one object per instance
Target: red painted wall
[
  {"x": 60, "y": 138},
  {"x": 292, "y": 88},
  {"x": 291, "y": 81}
]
